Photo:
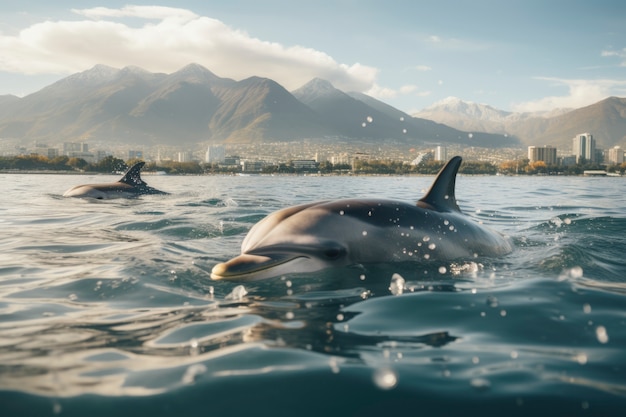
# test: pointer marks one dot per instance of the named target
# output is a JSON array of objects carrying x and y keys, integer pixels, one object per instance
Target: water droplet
[
  {"x": 385, "y": 378},
  {"x": 369, "y": 119},
  {"x": 194, "y": 348},
  {"x": 364, "y": 232},
  {"x": 396, "y": 287},
  {"x": 480, "y": 384},
  {"x": 586, "y": 308},
  {"x": 442, "y": 270},
  {"x": 237, "y": 293},
  {"x": 289, "y": 315},
  {"x": 602, "y": 335},
  {"x": 576, "y": 272},
  {"x": 362, "y": 277},
  {"x": 341, "y": 212}
]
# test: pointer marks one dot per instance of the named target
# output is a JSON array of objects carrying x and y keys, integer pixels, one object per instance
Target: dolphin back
[{"x": 441, "y": 195}]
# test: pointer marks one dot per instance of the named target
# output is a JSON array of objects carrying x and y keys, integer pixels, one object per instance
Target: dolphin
[
  {"x": 130, "y": 185},
  {"x": 326, "y": 234}
]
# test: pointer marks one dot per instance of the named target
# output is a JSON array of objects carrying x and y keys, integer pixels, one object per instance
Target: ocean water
[{"x": 107, "y": 307}]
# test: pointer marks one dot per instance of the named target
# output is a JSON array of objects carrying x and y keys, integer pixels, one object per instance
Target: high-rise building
[
  {"x": 546, "y": 154},
  {"x": 584, "y": 148},
  {"x": 185, "y": 156},
  {"x": 215, "y": 154},
  {"x": 616, "y": 156},
  {"x": 441, "y": 153}
]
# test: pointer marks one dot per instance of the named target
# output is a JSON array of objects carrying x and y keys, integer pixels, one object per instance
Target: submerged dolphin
[
  {"x": 130, "y": 185},
  {"x": 326, "y": 234}
]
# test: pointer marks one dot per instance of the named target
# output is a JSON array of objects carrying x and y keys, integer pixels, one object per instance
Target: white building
[
  {"x": 185, "y": 156},
  {"x": 441, "y": 153},
  {"x": 584, "y": 147},
  {"x": 615, "y": 156},
  {"x": 215, "y": 154},
  {"x": 546, "y": 154}
]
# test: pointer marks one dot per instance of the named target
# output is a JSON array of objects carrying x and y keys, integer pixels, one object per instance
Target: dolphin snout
[{"x": 243, "y": 265}]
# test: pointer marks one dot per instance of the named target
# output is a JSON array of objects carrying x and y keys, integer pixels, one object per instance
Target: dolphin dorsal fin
[
  {"x": 441, "y": 194},
  {"x": 132, "y": 177}
]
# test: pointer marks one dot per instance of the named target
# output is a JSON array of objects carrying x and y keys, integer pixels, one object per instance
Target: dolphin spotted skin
[
  {"x": 129, "y": 186},
  {"x": 327, "y": 234}
]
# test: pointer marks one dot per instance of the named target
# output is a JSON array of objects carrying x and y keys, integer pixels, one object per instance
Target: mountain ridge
[
  {"x": 195, "y": 106},
  {"x": 606, "y": 120}
]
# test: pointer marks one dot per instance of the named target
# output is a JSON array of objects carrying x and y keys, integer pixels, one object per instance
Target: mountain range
[
  {"x": 605, "y": 120},
  {"x": 193, "y": 105}
]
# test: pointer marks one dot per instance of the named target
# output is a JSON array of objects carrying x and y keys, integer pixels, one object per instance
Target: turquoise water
[{"x": 107, "y": 308}]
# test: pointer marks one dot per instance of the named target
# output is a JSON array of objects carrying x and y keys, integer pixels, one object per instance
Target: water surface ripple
[{"x": 106, "y": 307}]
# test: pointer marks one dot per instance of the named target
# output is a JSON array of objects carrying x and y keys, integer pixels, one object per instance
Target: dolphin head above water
[
  {"x": 130, "y": 185},
  {"x": 327, "y": 234}
]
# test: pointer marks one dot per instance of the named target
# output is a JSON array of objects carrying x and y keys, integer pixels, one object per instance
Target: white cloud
[
  {"x": 386, "y": 93},
  {"x": 423, "y": 68},
  {"x": 580, "y": 93},
  {"x": 144, "y": 12},
  {"x": 379, "y": 92},
  {"x": 456, "y": 44},
  {"x": 619, "y": 53},
  {"x": 408, "y": 89},
  {"x": 177, "y": 37}
]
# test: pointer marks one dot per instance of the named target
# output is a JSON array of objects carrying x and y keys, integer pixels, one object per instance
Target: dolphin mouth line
[{"x": 247, "y": 265}]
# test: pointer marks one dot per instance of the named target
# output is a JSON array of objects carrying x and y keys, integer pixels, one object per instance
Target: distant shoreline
[{"x": 150, "y": 174}]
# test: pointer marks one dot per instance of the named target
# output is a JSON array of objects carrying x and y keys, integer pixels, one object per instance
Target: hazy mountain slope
[
  {"x": 193, "y": 105},
  {"x": 359, "y": 115},
  {"x": 606, "y": 120},
  {"x": 258, "y": 109}
]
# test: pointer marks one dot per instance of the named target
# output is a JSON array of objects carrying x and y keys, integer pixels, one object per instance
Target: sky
[{"x": 514, "y": 55}]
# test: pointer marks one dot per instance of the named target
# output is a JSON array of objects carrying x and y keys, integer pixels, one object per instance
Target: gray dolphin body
[
  {"x": 129, "y": 186},
  {"x": 325, "y": 234}
]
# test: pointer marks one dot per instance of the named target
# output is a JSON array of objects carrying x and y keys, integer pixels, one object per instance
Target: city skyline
[{"x": 583, "y": 146}]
